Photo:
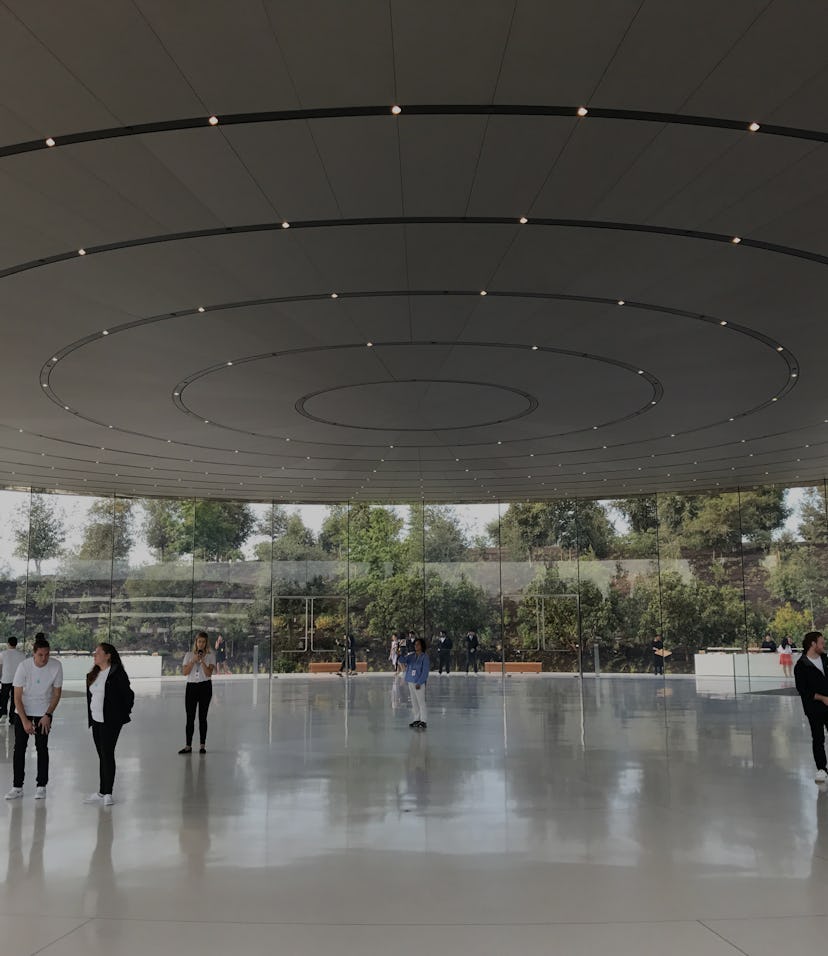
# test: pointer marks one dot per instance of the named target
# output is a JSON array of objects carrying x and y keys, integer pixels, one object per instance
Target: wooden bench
[
  {"x": 514, "y": 667},
  {"x": 332, "y": 667}
]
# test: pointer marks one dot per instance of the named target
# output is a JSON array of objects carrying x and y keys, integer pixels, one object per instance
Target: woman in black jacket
[
  {"x": 811, "y": 676},
  {"x": 109, "y": 700}
]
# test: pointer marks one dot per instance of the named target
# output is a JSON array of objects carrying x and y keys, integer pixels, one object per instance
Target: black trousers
[
  {"x": 7, "y": 700},
  {"x": 444, "y": 660},
  {"x": 198, "y": 696},
  {"x": 658, "y": 664},
  {"x": 105, "y": 737},
  {"x": 471, "y": 661},
  {"x": 818, "y": 722},
  {"x": 21, "y": 742}
]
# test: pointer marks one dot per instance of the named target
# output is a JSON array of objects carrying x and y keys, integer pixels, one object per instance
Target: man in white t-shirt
[
  {"x": 9, "y": 662},
  {"x": 38, "y": 685}
]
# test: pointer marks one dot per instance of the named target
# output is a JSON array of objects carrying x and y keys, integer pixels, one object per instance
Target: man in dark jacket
[
  {"x": 444, "y": 646},
  {"x": 472, "y": 646},
  {"x": 811, "y": 676}
]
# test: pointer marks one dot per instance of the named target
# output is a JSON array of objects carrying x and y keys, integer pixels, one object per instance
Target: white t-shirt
[
  {"x": 38, "y": 684},
  {"x": 98, "y": 689},
  {"x": 12, "y": 658},
  {"x": 817, "y": 662},
  {"x": 197, "y": 675}
]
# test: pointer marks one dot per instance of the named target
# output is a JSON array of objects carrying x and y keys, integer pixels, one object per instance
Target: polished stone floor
[{"x": 535, "y": 815}]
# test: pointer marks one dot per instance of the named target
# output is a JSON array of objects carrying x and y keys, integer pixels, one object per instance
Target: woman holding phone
[{"x": 199, "y": 664}]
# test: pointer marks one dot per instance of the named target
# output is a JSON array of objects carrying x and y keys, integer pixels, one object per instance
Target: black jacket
[
  {"x": 809, "y": 681},
  {"x": 445, "y": 646},
  {"x": 471, "y": 642},
  {"x": 118, "y": 699}
]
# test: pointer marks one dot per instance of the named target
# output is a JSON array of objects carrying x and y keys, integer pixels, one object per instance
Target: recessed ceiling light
[
  {"x": 774, "y": 399},
  {"x": 736, "y": 240},
  {"x": 286, "y": 225},
  {"x": 582, "y": 111},
  {"x": 287, "y": 439},
  {"x": 81, "y": 252},
  {"x": 794, "y": 374},
  {"x": 652, "y": 402},
  {"x": 229, "y": 363},
  {"x": 730, "y": 419},
  {"x": 641, "y": 371},
  {"x": 621, "y": 302},
  {"x": 500, "y": 443},
  {"x": 201, "y": 308},
  {"x": 206, "y": 421},
  {"x": 45, "y": 384},
  {"x": 754, "y": 127},
  {"x": 523, "y": 220},
  {"x": 176, "y": 394},
  {"x": 110, "y": 426},
  {"x": 779, "y": 348},
  {"x": 369, "y": 345},
  {"x": 334, "y": 295},
  {"x": 105, "y": 332},
  {"x": 723, "y": 322},
  {"x": 534, "y": 348},
  {"x": 396, "y": 110},
  {"x": 213, "y": 120},
  {"x": 483, "y": 292},
  {"x": 66, "y": 408},
  {"x": 50, "y": 141}
]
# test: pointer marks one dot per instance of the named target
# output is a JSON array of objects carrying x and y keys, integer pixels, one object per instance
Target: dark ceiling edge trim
[
  {"x": 282, "y": 226},
  {"x": 434, "y": 109}
]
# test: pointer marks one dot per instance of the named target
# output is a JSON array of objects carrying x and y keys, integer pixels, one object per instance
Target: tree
[
  {"x": 165, "y": 531},
  {"x": 435, "y": 534},
  {"x": 564, "y": 523},
  {"x": 108, "y": 535},
  {"x": 813, "y": 524},
  {"x": 295, "y": 542},
  {"x": 369, "y": 534},
  {"x": 220, "y": 527},
  {"x": 722, "y": 522},
  {"x": 39, "y": 531}
]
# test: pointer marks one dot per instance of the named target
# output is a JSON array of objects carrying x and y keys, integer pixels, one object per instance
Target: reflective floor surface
[{"x": 535, "y": 815}]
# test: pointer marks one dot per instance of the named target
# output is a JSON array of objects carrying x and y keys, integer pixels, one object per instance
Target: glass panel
[
  {"x": 231, "y": 582},
  {"x": 620, "y": 587},
  {"x": 701, "y": 582},
  {"x": 310, "y": 585},
  {"x": 70, "y": 571},
  {"x": 790, "y": 585},
  {"x": 152, "y": 583},
  {"x": 462, "y": 577},
  {"x": 14, "y": 552},
  {"x": 539, "y": 548}
]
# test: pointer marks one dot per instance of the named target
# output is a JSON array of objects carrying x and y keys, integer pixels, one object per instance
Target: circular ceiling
[{"x": 336, "y": 255}]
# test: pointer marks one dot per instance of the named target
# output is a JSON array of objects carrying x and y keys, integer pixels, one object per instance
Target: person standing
[
  {"x": 221, "y": 655},
  {"x": 109, "y": 700},
  {"x": 395, "y": 652},
  {"x": 12, "y": 658},
  {"x": 658, "y": 655},
  {"x": 410, "y": 642},
  {"x": 416, "y": 676},
  {"x": 38, "y": 684},
  {"x": 811, "y": 676},
  {"x": 786, "y": 657},
  {"x": 444, "y": 646},
  {"x": 348, "y": 665},
  {"x": 472, "y": 647},
  {"x": 198, "y": 667}
]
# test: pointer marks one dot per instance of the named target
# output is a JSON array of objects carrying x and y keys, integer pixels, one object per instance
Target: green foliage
[
  {"x": 164, "y": 529},
  {"x": 370, "y": 534},
  {"x": 72, "y": 636},
  {"x": 435, "y": 534},
  {"x": 38, "y": 532},
  {"x": 108, "y": 532},
  {"x": 790, "y": 623},
  {"x": 565, "y": 523}
]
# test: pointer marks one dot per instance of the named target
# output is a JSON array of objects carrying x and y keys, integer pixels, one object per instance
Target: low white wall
[
  {"x": 739, "y": 665},
  {"x": 77, "y": 666}
]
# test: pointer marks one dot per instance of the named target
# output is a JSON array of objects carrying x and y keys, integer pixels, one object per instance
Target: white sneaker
[
  {"x": 107, "y": 800},
  {"x": 93, "y": 798},
  {"x": 820, "y": 776},
  {"x": 15, "y": 793},
  {"x": 40, "y": 793}
]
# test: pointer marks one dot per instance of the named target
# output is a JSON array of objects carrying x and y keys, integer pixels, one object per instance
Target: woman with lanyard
[
  {"x": 109, "y": 700},
  {"x": 416, "y": 676},
  {"x": 199, "y": 664}
]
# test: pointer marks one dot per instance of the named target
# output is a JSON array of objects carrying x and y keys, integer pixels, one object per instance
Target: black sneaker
[
  {"x": 421, "y": 725},
  {"x": 414, "y": 724}
]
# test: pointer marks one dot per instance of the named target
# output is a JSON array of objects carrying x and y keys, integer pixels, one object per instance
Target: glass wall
[{"x": 563, "y": 585}]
